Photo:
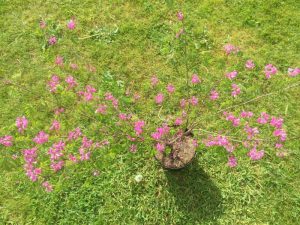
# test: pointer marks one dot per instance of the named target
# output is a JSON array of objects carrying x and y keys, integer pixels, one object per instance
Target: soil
[{"x": 182, "y": 153}]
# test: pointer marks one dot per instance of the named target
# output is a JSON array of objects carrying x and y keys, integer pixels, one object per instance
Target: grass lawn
[{"x": 127, "y": 42}]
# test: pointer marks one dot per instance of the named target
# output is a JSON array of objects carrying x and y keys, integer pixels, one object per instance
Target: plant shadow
[{"x": 196, "y": 196}]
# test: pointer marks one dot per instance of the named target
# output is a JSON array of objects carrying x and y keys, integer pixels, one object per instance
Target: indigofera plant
[{"x": 172, "y": 127}]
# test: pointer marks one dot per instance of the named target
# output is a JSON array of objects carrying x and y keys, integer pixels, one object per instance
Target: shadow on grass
[{"x": 196, "y": 196}]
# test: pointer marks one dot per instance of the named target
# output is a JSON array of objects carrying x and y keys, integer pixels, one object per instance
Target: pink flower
[
  {"x": 293, "y": 72},
  {"x": 59, "y": 60},
  {"x": 160, "y": 132},
  {"x": 88, "y": 93},
  {"x": 256, "y": 155},
  {"x": 133, "y": 148},
  {"x": 229, "y": 48},
  {"x": 6, "y": 141},
  {"x": 71, "y": 24},
  {"x": 74, "y": 66},
  {"x": 270, "y": 70},
  {"x": 170, "y": 88},
  {"x": 230, "y": 117},
  {"x": 180, "y": 16},
  {"x": 194, "y": 100},
  {"x": 138, "y": 125},
  {"x": 56, "y": 166},
  {"x": 154, "y": 81},
  {"x": 42, "y": 24},
  {"x": 73, "y": 158},
  {"x": 195, "y": 142},
  {"x": 30, "y": 156},
  {"x": 245, "y": 114},
  {"x": 21, "y": 123},
  {"x": 59, "y": 111},
  {"x": 232, "y": 75},
  {"x": 178, "y": 121},
  {"x": 276, "y": 122},
  {"x": 101, "y": 109},
  {"x": 48, "y": 187},
  {"x": 219, "y": 141},
  {"x": 41, "y": 138},
  {"x": 235, "y": 90},
  {"x": 52, "y": 40},
  {"x": 183, "y": 103},
  {"x": 249, "y": 64},
  {"x": 160, "y": 147},
  {"x": 278, "y": 145},
  {"x": 55, "y": 125},
  {"x": 214, "y": 95},
  {"x": 232, "y": 162},
  {"x": 159, "y": 98},
  {"x": 280, "y": 133},
  {"x": 195, "y": 79},
  {"x": 264, "y": 118},
  {"x": 123, "y": 116},
  {"x": 251, "y": 132},
  {"x": 75, "y": 134},
  {"x": 53, "y": 83},
  {"x": 71, "y": 82}
]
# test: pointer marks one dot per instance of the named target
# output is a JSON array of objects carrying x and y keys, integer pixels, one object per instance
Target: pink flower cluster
[
  {"x": 293, "y": 72},
  {"x": 251, "y": 131},
  {"x": 195, "y": 79},
  {"x": 154, "y": 81},
  {"x": 138, "y": 127},
  {"x": 55, "y": 125},
  {"x": 41, "y": 138},
  {"x": 249, "y": 64},
  {"x": 159, "y": 98},
  {"x": 245, "y": 114},
  {"x": 214, "y": 95},
  {"x": 194, "y": 100},
  {"x": 114, "y": 101},
  {"x": 123, "y": 116},
  {"x": 170, "y": 88},
  {"x": 75, "y": 134},
  {"x": 229, "y": 48},
  {"x": 160, "y": 132},
  {"x": 232, "y": 75},
  {"x": 48, "y": 187},
  {"x": 21, "y": 123},
  {"x": 180, "y": 16},
  {"x": 230, "y": 117},
  {"x": 256, "y": 155},
  {"x": 264, "y": 118},
  {"x": 84, "y": 150},
  {"x": 270, "y": 70},
  {"x": 101, "y": 109},
  {"x": 71, "y": 24},
  {"x": 59, "y": 60},
  {"x": 235, "y": 90},
  {"x": 30, "y": 156},
  {"x": 56, "y": 152},
  {"x": 71, "y": 82},
  {"x": 52, "y": 40},
  {"x": 88, "y": 93},
  {"x": 6, "y": 141},
  {"x": 219, "y": 140},
  {"x": 53, "y": 83}
]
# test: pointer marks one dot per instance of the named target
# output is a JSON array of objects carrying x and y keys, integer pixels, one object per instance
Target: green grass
[{"x": 207, "y": 192}]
